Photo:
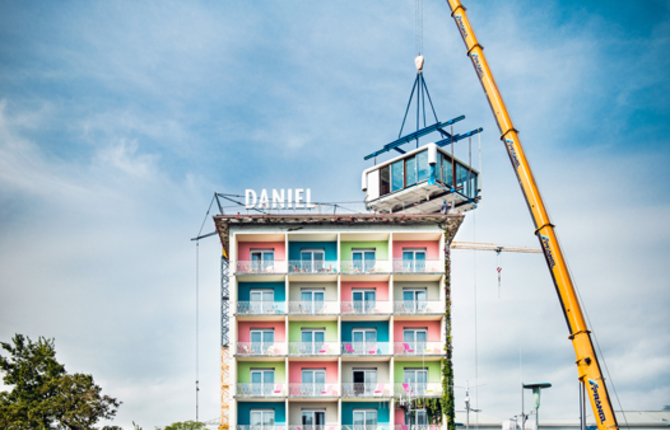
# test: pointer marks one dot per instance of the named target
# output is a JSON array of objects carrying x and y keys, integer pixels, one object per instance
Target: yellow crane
[
  {"x": 479, "y": 246},
  {"x": 588, "y": 367}
]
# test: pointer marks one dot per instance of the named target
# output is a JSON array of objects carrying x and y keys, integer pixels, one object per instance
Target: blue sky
[{"x": 118, "y": 121}]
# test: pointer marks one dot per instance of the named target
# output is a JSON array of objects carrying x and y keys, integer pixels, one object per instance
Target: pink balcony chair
[
  {"x": 327, "y": 390},
  {"x": 407, "y": 349},
  {"x": 380, "y": 389},
  {"x": 372, "y": 350},
  {"x": 324, "y": 349},
  {"x": 406, "y": 387},
  {"x": 403, "y": 427},
  {"x": 277, "y": 388},
  {"x": 349, "y": 348}
]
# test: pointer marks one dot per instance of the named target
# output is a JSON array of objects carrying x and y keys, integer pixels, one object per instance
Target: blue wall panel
[
  {"x": 244, "y": 287},
  {"x": 383, "y": 414},
  {"x": 330, "y": 249},
  {"x": 381, "y": 326},
  {"x": 243, "y": 408}
]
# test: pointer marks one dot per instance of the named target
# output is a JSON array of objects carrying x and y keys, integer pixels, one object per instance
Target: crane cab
[{"x": 419, "y": 181}]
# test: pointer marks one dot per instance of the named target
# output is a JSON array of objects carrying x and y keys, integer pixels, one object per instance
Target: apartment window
[
  {"x": 262, "y": 419},
  {"x": 415, "y": 381},
  {"x": 262, "y": 381},
  {"x": 365, "y": 381},
  {"x": 312, "y": 341},
  {"x": 416, "y": 418},
  {"x": 262, "y": 340},
  {"x": 261, "y": 301},
  {"x": 415, "y": 339},
  {"x": 313, "y": 419},
  {"x": 311, "y": 301},
  {"x": 364, "y": 340},
  {"x": 363, "y": 300},
  {"x": 414, "y": 260},
  {"x": 414, "y": 299},
  {"x": 262, "y": 260},
  {"x": 311, "y": 260},
  {"x": 397, "y": 175},
  {"x": 410, "y": 171},
  {"x": 313, "y": 382},
  {"x": 365, "y": 419},
  {"x": 384, "y": 180},
  {"x": 364, "y": 259}
]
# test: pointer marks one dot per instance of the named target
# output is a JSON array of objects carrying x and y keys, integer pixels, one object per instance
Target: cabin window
[
  {"x": 384, "y": 180},
  {"x": 397, "y": 175},
  {"x": 410, "y": 168}
]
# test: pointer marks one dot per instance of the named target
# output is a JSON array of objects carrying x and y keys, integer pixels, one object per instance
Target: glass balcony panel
[
  {"x": 365, "y": 266},
  {"x": 268, "y": 349},
  {"x": 417, "y": 427},
  {"x": 250, "y": 267},
  {"x": 260, "y": 390},
  {"x": 418, "y": 389},
  {"x": 366, "y": 389},
  {"x": 418, "y": 266},
  {"x": 365, "y": 348},
  {"x": 312, "y": 266},
  {"x": 316, "y": 307},
  {"x": 313, "y": 348},
  {"x": 261, "y": 308},
  {"x": 418, "y": 348},
  {"x": 313, "y": 390},
  {"x": 365, "y": 307},
  {"x": 418, "y": 307}
]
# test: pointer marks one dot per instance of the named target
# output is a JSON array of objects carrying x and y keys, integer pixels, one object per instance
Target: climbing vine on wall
[{"x": 447, "y": 401}]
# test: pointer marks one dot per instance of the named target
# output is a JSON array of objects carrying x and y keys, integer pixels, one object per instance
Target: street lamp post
[{"x": 537, "y": 387}]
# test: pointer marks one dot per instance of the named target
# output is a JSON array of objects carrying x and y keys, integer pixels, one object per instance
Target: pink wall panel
[
  {"x": 381, "y": 287},
  {"x": 295, "y": 370},
  {"x": 432, "y": 248},
  {"x": 432, "y": 326},
  {"x": 244, "y": 330},
  {"x": 244, "y": 248},
  {"x": 399, "y": 417}
]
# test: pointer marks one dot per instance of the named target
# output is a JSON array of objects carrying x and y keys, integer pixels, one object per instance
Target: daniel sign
[{"x": 299, "y": 198}]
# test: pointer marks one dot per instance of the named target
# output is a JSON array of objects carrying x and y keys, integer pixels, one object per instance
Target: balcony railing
[
  {"x": 370, "y": 266},
  {"x": 261, "y": 349},
  {"x": 250, "y": 267},
  {"x": 322, "y": 267},
  {"x": 418, "y": 307},
  {"x": 260, "y": 390},
  {"x": 261, "y": 308},
  {"x": 326, "y": 307},
  {"x": 321, "y": 427},
  {"x": 418, "y": 266},
  {"x": 418, "y": 348},
  {"x": 313, "y": 348},
  {"x": 378, "y": 426},
  {"x": 365, "y": 348},
  {"x": 366, "y": 389},
  {"x": 263, "y": 427},
  {"x": 418, "y": 389},
  {"x": 417, "y": 427},
  {"x": 311, "y": 390},
  {"x": 370, "y": 307}
]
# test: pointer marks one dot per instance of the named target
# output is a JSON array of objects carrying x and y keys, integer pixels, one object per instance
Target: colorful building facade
[{"x": 335, "y": 322}]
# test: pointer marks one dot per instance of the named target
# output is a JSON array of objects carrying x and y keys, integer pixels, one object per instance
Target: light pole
[
  {"x": 537, "y": 387},
  {"x": 467, "y": 406}
]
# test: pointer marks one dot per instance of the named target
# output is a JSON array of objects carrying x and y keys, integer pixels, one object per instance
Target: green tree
[
  {"x": 186, "y": 425},
  {"x": 44, "y": 395}
]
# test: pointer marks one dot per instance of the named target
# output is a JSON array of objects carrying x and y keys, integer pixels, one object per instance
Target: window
[
  {"x": 262, "y": 419},
  {"x": 311, "y": 260},
  {"x": 262, "y": 381},
  {"x": 363, "y": 300},
  {"x": 410, "y": 171},
  {"x": 416, "y": 419},
  {"x": 364, "y": 259},
  {"x": 365, "y": 419},
  {"x": 414, "y": 299},
  {"x": 312, "y": 341},
  {"x": 413, "y": 260},
  {"x": 415, "y": 339},
  {"x": 364, "y": 340},
  {"x": 415, "y": 381},
  {"x": 311, "y": 301},
  {"x": 422, "y": 169},
  {"x": 313, "y": 382},
  {"x": 384, "y": 180},
  {"x": 262, "y": 260},
  {"x": 262, "y": 341},
  {"x": 447, "y": 174},
  {"x": 261, "y": 301},
  {"x": 365, "y": 381},
  {"x": 397, "y": 175},
  {"x": 313, "y": 419}
]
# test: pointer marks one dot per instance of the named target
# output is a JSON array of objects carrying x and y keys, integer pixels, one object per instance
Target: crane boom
[
  {"x": 479, "y": 246},
  {"x": 587, "y": 362}
]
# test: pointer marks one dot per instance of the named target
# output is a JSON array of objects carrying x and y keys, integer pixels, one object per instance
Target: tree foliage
[
  {"x": 186, "y": 425},
  {"x": 44, "y": 395}
]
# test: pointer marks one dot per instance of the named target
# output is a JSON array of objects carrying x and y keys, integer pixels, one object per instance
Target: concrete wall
[{"x": 381, "y": 290}]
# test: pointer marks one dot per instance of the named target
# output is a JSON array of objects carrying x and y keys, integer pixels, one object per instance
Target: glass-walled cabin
[{"x": 419, "y": 181}]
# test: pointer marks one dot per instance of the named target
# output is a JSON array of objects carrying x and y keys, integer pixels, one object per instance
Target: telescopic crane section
[{"x": 587, "y": 362}]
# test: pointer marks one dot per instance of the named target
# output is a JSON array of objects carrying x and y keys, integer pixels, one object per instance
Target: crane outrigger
[{"x": 588, "y": 367}]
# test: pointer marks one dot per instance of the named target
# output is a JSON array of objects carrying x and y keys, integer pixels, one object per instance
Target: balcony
[
  {"x": 261, "y": 349},
  {"x": 310, "y": 349},
  {"x": 261, "y": 308},
  {"x": 365, "y": 307},
  {"x": 418, "y": 348},
  {"x": 365, "y": 267},
  {"x": 418, "y": 266},
  {"x": 418, "y": 389},
  {"x": 325, "y": 307},
  {"x": 365, "y": 348},
  {"x": 418, "y": 307},
  {"x": 363, "y": 390},
  {"x": 334, "y": 427},
  {"x": 255, "y": 267},
  {"x": 417, "y": 427},
  {"x": 262, "y": 427},
  {"x": 322, "y": 267},
  {"x": 260, "y": 390},
  {"x": 312, "y": 390}
]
